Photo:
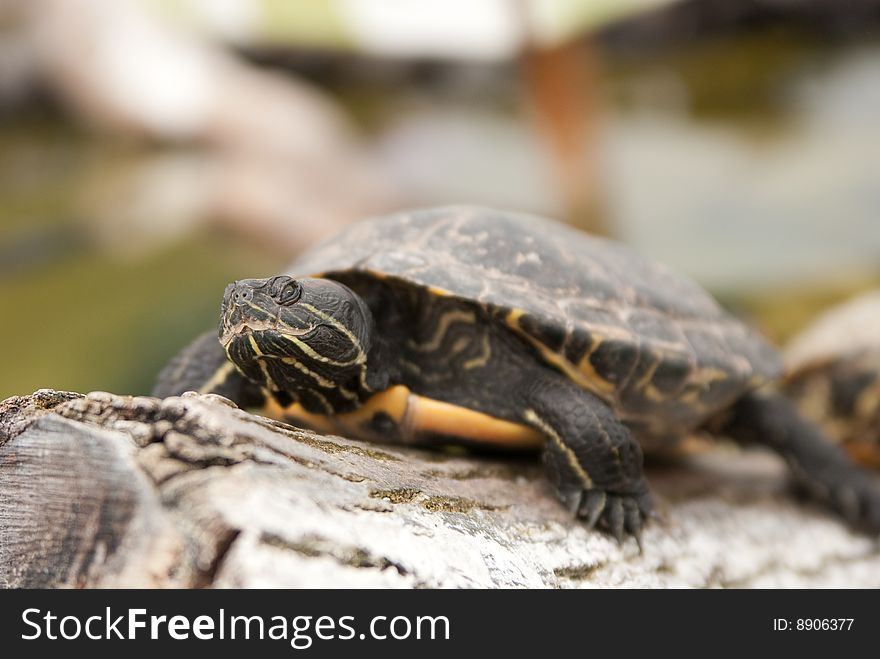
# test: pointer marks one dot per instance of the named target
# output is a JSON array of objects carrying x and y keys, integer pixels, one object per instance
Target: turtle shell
[
  {"x": 833, "y": 373},
  {"x": 650, "y": 342}
]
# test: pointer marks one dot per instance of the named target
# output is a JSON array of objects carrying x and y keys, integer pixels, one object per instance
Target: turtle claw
[
  {"x": 632, "y": 518},
  {"x": 615, "y": 518},
  {"x": 592, "y": 505},
  {"x": 619, "y": 514},
  {"x": 859, "y": 502},
  {"x": 572, "y": 501}
]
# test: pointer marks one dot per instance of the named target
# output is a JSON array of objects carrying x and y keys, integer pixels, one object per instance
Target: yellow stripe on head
[
  {"x": 335, "y": 323},
  {"x": 322, "y": 381},
  {"x": 311, "y": 352}
]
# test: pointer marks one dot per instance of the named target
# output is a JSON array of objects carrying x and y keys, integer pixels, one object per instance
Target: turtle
[
  {"x": 833, "y": 373},
  {"x": 489, "y": 328}
]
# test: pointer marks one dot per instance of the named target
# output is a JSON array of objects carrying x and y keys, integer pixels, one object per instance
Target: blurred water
[
  {"x": 794, "y": 202},
  {"x": 748, "y": 163},
  {"x": 753, "y": 164},
  {"x": 80, "y": 313}
]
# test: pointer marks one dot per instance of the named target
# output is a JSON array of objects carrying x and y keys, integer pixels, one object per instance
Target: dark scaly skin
[
  {"x": 818, "y": 465},
  {"x": 593, "y": 460},
  {"x": 595, "y": 347},
  {"x": 197, "y": 364}
]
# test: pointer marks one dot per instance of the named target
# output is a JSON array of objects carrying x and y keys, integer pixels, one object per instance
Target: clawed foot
[
  {"x": 619, "y": 514},
  {"x": 856, "y": 498}
]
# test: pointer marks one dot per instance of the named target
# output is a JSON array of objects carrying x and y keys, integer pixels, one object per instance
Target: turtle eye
[{"x": 288, "y": 293}]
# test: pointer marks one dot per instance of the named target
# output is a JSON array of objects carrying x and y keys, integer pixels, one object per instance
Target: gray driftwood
[{"x": 105, "y": 490}]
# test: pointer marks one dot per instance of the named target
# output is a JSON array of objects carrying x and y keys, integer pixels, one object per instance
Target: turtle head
[{"x": 304, "y": 340}]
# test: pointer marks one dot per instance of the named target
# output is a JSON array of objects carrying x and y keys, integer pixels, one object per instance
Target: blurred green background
[{"x": 741, "y": 147}]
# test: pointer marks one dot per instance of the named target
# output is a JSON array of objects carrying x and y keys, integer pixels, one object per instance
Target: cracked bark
[{"x": 104, "y": 490}]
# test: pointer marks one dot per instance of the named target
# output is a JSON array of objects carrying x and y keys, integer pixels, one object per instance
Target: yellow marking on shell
[
  {"x": 584, "y": 375},
  {"x": 693, "y": 400},
  {"x": 328, "y": 274},
  {"x": 443, "y": 324},
  {"x": 416, "y": 417},
  {"x": 311, "y": 352},
  {"x": 708, "y": 375},
  {"x": 596, "y": 382},
  {"x": 483, "y": 358},
  {"x": 218, "y": 378},
  {"x": 570, "y": 456},
  {"x": 868, "y": 401},
  {"x": 757, "y": 380},
  {"x": 653, "y": 394},
  {"x": 643, "y": 382},
  {"x": 649, "y": 391},
  {"x": 815, "y": 400},
  {"x": 441, "y": 292},
  {"x": 698, "y": 384}
]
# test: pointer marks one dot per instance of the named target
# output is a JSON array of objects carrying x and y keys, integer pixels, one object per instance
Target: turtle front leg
[
  {"x": 591, "y": 457},
  {"x": 202, "y": 366}
]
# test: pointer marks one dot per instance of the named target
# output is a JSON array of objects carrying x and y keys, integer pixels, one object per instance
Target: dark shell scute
[{"x": 615, "y": 360}]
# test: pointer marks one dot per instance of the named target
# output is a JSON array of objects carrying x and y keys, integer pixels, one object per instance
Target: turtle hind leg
[
  {"x": 822, "y": 468},
  {"x": 202, "y": 366},
  {"x": 591, "y": 457}
]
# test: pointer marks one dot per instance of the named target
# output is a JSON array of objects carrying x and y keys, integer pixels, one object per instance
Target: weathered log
[{"x": 105, "y": 490}]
